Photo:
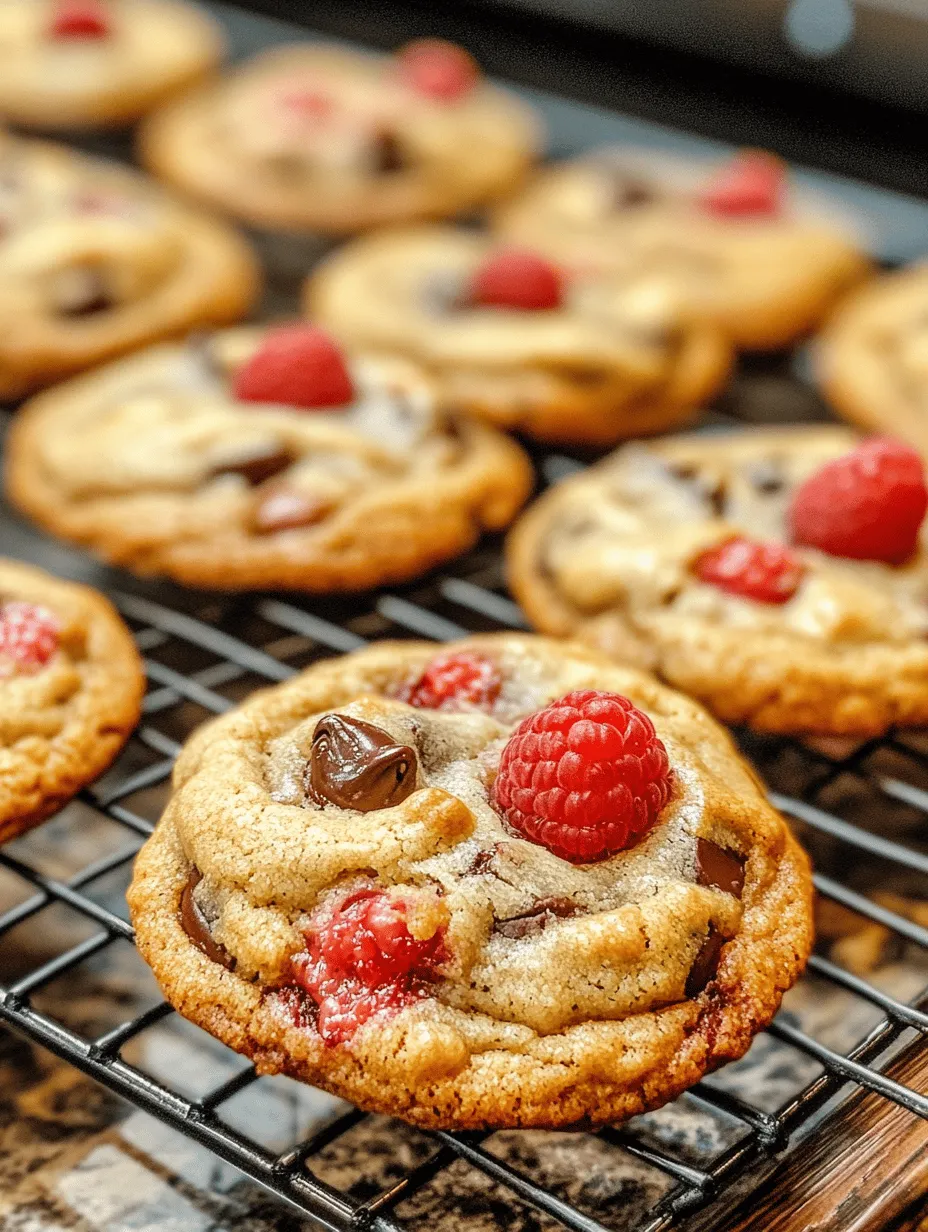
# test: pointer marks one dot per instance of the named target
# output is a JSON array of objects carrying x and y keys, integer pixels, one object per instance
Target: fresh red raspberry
[
  {"x": 28, "y": 638},
  {"x": 585, "y": 777},
  {"x": 455, "y": 681},
  {"x": 510, "y": 278},
  {"x": 753, "y": 184},
  {"x": 362, "y": 959},
  {"x": 80, "y": 19},
  {"x": 297, "y": 365},
  {"x": 867, "y": 505},
  {"x": 765, "y": 572},
  {"x": 440, "y": 70}
]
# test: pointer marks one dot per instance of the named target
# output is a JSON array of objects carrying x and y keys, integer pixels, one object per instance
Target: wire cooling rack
[{"x": 202, "y": 657}]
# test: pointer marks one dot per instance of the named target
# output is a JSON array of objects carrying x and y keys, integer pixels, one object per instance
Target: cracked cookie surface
[
  {"x": 326, "y": 139},
  {"x": 401, "y": 946},
  {"x": 101, "y": 63},
  {"x": 96, "y": 259},
  {"x": 156, "y": 463},
  {"x": 605, "y": 363},
  {"x": 764, "y": 276},
  {"x": 610, "y": 555},
  {"x": 71, "y": 685}
]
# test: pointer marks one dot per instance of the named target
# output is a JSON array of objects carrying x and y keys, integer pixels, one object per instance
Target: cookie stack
[{"x": 521, "y": 881}]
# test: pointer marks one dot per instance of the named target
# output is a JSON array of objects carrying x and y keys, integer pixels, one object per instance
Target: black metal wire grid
[{"x": 195, "y": 666}]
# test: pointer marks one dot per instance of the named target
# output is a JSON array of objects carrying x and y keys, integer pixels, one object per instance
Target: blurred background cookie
[
  {"x": 321, "y": 138},
  {"x": 68, "y": 64}
]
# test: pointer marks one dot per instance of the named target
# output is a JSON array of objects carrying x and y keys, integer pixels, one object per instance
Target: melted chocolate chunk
[
  {"x": 629, "y": 193},
  {"x": 767, "y": 477},
  {"x": 356, "y": 765},
  {"x": 286, "y": 509},
  {"x": 389, "y": 155},
  {"x": 81, "y": 292},
  {"x": 257, "y": 464},
  {"x": 532, "y": 922},
  {"x": 705, "y": 964},
  {"x": 196, "y": 926},
  {"x": 724, "y": 870}
]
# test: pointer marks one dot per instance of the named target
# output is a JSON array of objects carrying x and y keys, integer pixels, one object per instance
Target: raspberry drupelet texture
[
  {"x": 28, "y": 638},
  {"x": 441, "y": 71},
  {"x": 511, "y": 278},
  {"x": 764, "y": 572},
  {"x": 753, "y": 184},
  {"x": 585, "y": 777},
  {"x": 455, "y": 682},
  {"x": 867, "y": 505},
  {"x": 362, "y": 960},
  {"x": 80, "y": 19},
  {"x": 296, "y": 365}
]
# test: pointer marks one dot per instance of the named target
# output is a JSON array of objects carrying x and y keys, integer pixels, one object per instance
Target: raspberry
[
  {"x": 765, "y": 572},
  {"x": 297, "y": 365},
  {"x": 867, "y": 505},
  {"x": 362, "y": 959},
  {"x": 440, "y": 70},
  {"x": 511, "y": 278},
  {"x": 585, "y": 777},
  {"x": 80, "y": 19},
  {"x": 753, "y": 184},
  {"x": 454, "y": 682},
  {"x": 28, "y": 638}
]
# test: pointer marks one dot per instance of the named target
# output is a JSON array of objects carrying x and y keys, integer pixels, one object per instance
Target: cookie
[
  {"x": 70, "y": 64},
  {"x": 743, "y": 247},
  {"x": 262, "y": 458},
  {"x": 872, "y": 357},
  {"x": 352, "y": 885},
  {"x": 96, "y": 260},
  {"x": 71, "y": 686},
  {"x": 323, "y": 138},
  {"x": 515, "y": 341},
  {"x": 778, "y": 576}
]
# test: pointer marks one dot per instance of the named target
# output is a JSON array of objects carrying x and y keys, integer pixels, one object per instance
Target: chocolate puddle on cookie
[
  {"x": 356, "y": 765},
  {"x": 196, "y": 925}
]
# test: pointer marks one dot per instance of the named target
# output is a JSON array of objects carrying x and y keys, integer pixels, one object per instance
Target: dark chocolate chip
[
  {"x": 286, "y": 509},
  {"x": 705, "y": 964},
  {"x": 81, "y": 292},
  {"x": 256, "y": 464},
  {"x": 724, "y": 870},
  {"x": 356, "y": 765},
  {"x": 767, "y": 477},
  {"x": 196, "y": 926},
  {"x": 532, "y": 922},
  {"x": 629, "y": 192},
  {"x": 712, "y": 492},
  {"x": 389, "y": 155}
]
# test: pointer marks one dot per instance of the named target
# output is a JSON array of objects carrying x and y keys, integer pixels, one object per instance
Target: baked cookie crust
[
  {"x": 610, "y": 363},
  {"x": 63, "y": 724},
  {"x": 153, "y": 463},
  {"x": 764, "y": 281},
  {"x": 607, "y": 556},
  {"x": 370, "y": 153},
  {"x": 579, "y": 1020}
]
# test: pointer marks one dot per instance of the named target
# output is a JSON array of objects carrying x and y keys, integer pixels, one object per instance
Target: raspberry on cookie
[
  {"x": 263, "y": 457},
  {"x": 76, "y": 64},
  {"x": 739, "y": 243},
  {"x": 96, "y": 260},
  {"x": 559, "y": 906},
  {"x": 323, "y": 138},
  {"x": 519, "y": 340},
  {"x": 71, "y": 685},
  {"x": 779, "y": 576}
]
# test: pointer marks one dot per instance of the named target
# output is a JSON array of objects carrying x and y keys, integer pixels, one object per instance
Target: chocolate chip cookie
[
  {"x": 71, "y": 686},
  {"x": 738, "y": 242},
  {"x": 518, "y": 341},
  {"x": 67, "y": 64},
  {"x": 500, "y": 883},
  {"x": 262, "y": 458},
  {"x": 872, "y": 357},
  {"x": 323, "y": 138},
  {"x": 780, "y": 577},
  {"x": 96, "y": 260}
]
